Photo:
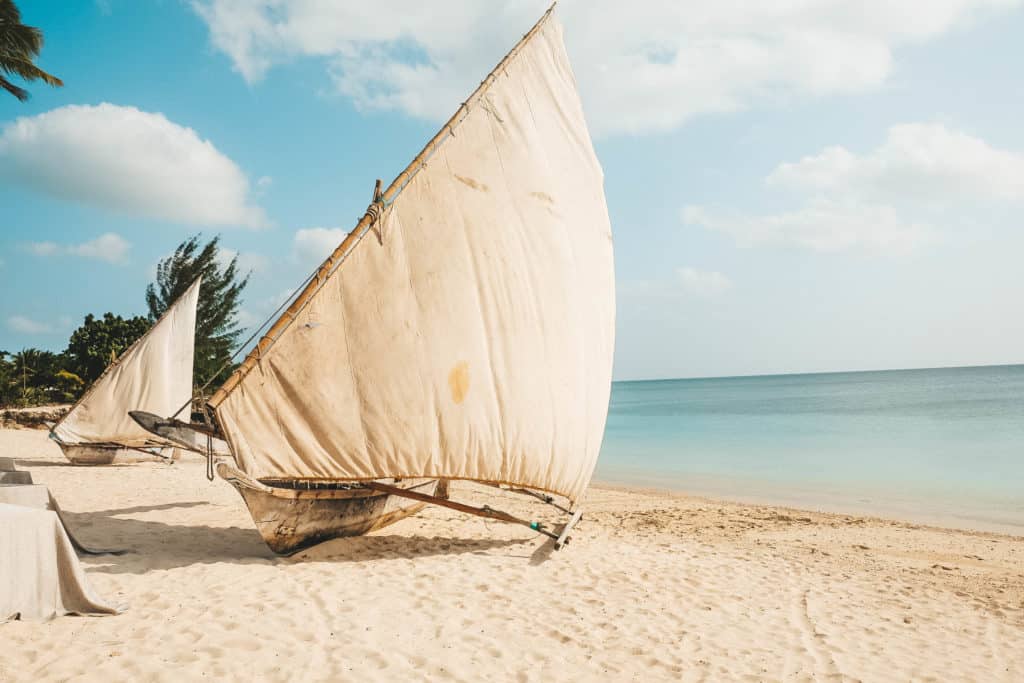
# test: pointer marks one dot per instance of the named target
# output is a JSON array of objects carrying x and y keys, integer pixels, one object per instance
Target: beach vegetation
[
  {"x": 34, "y": 377},
  {"x": 99, "y": 341}
]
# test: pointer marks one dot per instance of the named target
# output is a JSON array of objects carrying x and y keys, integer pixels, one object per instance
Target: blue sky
[{"x": 795, "y": 187}]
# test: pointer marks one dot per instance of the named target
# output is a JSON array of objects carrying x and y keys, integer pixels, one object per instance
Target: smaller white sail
[{"x": 154, "y": 374}]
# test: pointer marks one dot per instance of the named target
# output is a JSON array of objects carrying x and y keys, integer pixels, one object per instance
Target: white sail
[
  {"x": 154, "y": 374},
  {"x": 470, "y": 334}
]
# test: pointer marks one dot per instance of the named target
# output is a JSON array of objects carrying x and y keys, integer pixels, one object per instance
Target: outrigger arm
[{"x": 560, "y": 539}]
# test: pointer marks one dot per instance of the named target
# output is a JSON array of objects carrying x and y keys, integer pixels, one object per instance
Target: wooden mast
[{"x": 373, "y": 213}]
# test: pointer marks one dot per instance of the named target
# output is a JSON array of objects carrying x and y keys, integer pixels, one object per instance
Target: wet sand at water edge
[{"x": 654, "y": 586}]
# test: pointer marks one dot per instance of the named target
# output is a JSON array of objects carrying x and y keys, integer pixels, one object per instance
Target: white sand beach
[{"x": 653, "y": 587}]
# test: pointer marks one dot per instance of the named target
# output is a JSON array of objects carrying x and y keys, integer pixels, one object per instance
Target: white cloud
[
  {"x": 129, "y": 161},
  {"x": 683, "y": 286},
  {"x": 109, "y": 247},
  {"x": 313, "y": 245},
  {"x": 641, "y": 66},
  {"x": 247, "y": 320},
  {"x": 703, "y": 282},
  {"x": 274, "y": 302},
  {"x": 821, "y": 225},
  {"x": 43, "y": 248},
  {"x": 25, "y": 325},
  {"x": 888, "y": 199},
  {"x": 917, "y": 161},
  {"x": 248, "y": 262}
]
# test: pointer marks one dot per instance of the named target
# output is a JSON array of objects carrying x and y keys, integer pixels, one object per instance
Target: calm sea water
[{"x": 943, "y": 446}]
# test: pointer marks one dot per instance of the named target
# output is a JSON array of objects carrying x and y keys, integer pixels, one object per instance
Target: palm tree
[{"x": 19, "y": 46}]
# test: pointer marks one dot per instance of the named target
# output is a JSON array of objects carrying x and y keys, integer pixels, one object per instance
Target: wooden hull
[
  {"x": 290, "y": 520},
  {"x": 112, "y": 454}
]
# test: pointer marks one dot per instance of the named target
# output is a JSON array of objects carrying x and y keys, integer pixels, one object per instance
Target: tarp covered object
[
  {"x": 38, "y": 496},
  {"x": 40, "y": 576},
  {"x": 469, "y": 335}
]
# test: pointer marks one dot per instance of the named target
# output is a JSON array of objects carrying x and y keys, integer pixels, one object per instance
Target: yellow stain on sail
[{"x": 458, "y": 381}]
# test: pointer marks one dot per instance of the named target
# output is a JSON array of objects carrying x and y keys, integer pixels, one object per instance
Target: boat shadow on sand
[
  {"x": 27, "y": 463},
  {"x": 153, "y": 545}
]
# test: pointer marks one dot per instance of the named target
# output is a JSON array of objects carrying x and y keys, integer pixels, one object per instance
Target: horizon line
[{"x": 816, "y": 372}]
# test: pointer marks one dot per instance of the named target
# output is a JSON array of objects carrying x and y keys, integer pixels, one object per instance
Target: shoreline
[
  {"x": 914, "y": 509},
  {"x": 869, "y": 514},
  {"x": 654, "y": 586}
]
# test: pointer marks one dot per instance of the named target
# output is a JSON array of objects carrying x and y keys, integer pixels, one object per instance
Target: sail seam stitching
[
  {"x": 522, "y": 222},
  {"x": 572, "y": 252},
  {"x": 351, "y": 370},
  {"x": 483, "y": 315},
  {"x": 429, "y": 389}
]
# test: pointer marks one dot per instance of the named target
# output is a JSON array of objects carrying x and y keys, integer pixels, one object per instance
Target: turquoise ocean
[{"x": 942, "y": 446}]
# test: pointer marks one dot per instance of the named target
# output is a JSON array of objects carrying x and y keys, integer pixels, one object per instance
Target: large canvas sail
[
  {"x": 154, "y": 374},
  {"x": 469, "y": 333}
]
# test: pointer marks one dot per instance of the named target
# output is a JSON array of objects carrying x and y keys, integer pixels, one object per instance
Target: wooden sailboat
[
  {"x": 463, "y": 330},
  {"x": 154, "y": 373}
]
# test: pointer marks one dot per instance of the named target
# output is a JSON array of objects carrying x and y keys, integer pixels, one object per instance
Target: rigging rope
[
  {"x": 209, "y": 457},
  {"x": 273, "y": 316}
]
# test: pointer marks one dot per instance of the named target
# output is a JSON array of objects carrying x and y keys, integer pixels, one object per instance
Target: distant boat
[
  {"x": 463, "y": 330},
  {"x": 154, "y": 373}
]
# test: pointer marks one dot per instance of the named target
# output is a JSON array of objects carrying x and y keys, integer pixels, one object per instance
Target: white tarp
[
  {"x": 38, "y": 496},
  {"x": 40, "y": 576},
  {"x": 473, "y": 338},
  {"x": 154, "y": 374}
]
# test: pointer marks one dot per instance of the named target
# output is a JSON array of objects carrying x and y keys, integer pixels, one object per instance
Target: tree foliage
[
  {"x": 35, "y": 377},
  {"x": 8, "y": 383},
  {"x": 32, "y": 377},
  {"x": 99, "y": 341},
  {"x": 19, "y": 47},
  {"x": 217, "y": 330}
]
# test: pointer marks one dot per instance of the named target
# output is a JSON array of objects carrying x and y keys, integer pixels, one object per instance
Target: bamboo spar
[{"x": 328, "y": 267}]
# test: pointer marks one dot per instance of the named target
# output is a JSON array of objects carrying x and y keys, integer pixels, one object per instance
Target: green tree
[
  {"x": 68, "y": 386},
  {"x": 39, "y": 377},
  {"x": 19, "y": 47},
  {"x": 8, "y": 383},
  {"x": 99, "y": 341},
  {"x": 217, "y": 330}
]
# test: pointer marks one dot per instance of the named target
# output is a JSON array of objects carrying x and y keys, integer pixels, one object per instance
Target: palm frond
[
  {"x": 9, "y": 13},
  {"x": 20, "y": 40},
  {"x": 20, "y": 93},
  {"x": 28, "y": 71},
  {"x": 19, "y": 46}
]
